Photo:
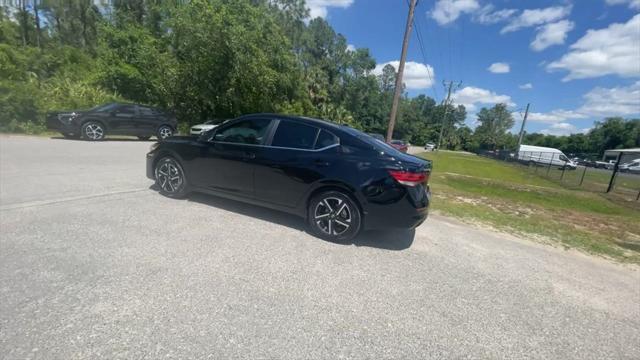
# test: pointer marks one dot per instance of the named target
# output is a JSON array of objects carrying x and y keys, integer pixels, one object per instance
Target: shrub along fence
[{"x": 587, "y": 175}]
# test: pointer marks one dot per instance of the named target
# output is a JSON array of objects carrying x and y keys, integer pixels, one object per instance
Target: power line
[{"x": 424, "y": 57}]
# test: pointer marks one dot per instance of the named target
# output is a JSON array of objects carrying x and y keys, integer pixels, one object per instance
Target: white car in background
[
  {"x": 632, "y": 167},
  {"x": 200, "y": 128},
  {"x": 430, "y": 146}
]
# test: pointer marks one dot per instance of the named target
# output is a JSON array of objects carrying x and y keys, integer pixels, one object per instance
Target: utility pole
[
  {"x": 403, "y": 58},
  {"x": 524, "y": 121},
  {"x": 446, "y": 110}
]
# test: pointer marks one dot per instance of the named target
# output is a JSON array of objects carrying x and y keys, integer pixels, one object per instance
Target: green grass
[{"x": 511, "y": 198}]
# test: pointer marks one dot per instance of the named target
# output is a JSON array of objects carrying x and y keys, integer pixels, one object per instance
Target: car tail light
[{"x": 409, "y": 178}]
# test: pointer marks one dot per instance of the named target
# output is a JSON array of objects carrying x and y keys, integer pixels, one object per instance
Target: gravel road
[{"x": 95, "y": 264}]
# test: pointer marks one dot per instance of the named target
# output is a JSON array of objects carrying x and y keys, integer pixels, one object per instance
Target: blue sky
[{"x": 574, "y": 61}]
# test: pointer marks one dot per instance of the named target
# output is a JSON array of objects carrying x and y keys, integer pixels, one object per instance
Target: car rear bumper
[{"x": 407, "y": 213}]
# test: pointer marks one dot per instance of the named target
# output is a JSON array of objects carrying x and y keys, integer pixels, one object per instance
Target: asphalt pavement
[{"x": 96, "y": 264}]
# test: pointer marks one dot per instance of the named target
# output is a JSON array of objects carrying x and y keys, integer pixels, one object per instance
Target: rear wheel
[
  {"x": 164, "y": 132},
  {"x": 93, "y": 131},
  {"x": 334, "y": 216},
  {"x": 170, "y": 178}
]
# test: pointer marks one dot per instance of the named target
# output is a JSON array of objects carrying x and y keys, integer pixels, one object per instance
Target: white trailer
[{"x": 540, "y": 155}]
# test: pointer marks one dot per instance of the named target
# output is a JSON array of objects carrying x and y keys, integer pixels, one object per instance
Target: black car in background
[
  {"x": 113, "y": 119},
  {"x": 340, "y": 179}
]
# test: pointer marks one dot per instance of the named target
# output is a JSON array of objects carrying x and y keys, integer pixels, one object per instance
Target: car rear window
[
  {"x": 377, "y": 145},
  {"x": 294, "y": 135}
]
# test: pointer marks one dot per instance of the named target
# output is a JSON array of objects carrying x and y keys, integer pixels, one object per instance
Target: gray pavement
[{"x": 94, "y": 264}]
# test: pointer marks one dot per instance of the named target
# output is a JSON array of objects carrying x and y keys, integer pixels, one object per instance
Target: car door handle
[
  {"x": 249, "y": 155},
  {"x": 322, "y": 163}
]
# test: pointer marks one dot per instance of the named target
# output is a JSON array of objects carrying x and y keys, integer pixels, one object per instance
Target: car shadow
[
  {"x": 396, "y": 240},
  {"x": 105, "y": 139}
]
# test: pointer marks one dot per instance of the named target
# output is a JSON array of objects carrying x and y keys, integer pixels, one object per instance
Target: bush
[{"x": 35, "y": 82}]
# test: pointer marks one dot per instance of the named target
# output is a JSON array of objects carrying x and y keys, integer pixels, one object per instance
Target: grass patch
[{"x": 510, "y": 198}]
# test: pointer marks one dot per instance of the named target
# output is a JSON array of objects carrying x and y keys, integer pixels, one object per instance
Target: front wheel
[
  {"x": 93, "y": 131},
  {"x": 170, "y": 178},
  {"x": 334, "y": 216},
  {"x": 164, "y": 132}
]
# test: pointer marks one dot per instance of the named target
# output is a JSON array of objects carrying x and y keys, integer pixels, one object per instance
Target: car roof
[{"x": 311, "y": 121}]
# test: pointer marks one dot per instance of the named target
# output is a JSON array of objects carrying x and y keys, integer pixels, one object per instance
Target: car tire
[
  {"x": 93, "y": 131},
  {"x": 170, "y": 178},
  {"x": 144, "y": 138},
  {"x": 164, "y": 131},
  {"x": 334, "y": 216}
]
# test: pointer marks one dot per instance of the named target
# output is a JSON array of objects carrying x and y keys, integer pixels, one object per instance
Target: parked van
[{"x": 540, "y": 155}]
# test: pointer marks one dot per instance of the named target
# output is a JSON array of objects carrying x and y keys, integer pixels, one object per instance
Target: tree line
[{"x": 217, "y": 59}]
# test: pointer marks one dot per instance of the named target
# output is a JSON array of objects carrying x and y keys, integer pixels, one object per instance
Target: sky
[{"x": 575, "y": 61}]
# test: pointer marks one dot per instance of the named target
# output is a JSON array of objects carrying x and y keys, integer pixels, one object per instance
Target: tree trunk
[
  {"x": 23, "y": 27},
  {"x": 35, "y": 10},
  {"x": 59, "y": 27},
  {"x": 83, "y": 19}
]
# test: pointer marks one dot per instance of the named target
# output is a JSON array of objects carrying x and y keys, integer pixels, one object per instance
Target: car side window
[
  {"x": 145, "y": 111},
  {"x": 291, "y": 134},
  {"x": 126, "y": 110},
  {"x": 251, "y": 132},
  {"x": 326, "y": 139}
]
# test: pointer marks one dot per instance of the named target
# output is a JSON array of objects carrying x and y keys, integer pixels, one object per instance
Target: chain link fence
[{"x": 614, "y": 177}]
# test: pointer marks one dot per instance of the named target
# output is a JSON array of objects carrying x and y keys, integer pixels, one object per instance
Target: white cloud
[
  {"x": 555, "y": 116},
  {"x": 633, "y": 4},
  {"x": 318, "y": 8},
  {"x": 617, "y": 101},
  {"x": 560, "y": 129},
  {"x": 499, "y": 68},
  {"x": 351, "y": 47},
  {"x": 614, "y": 50},
  {"x": 416, "y": 75},
  {"x": 471, "y": 96},
  {"x": 488, "y": 16},
  {"x": 526, "y": 86},
  {"x": 551, "y": 34},
  {"x": 598, "y": 103},
  {"x": 535, "y": 17},
  {"x": 447, "y": 11}
]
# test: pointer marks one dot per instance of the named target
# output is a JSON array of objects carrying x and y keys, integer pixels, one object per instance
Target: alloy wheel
[
  {"x": 165, "y": 132},
  {"x": 169, "y": 177},
  {"x": 94, "y": 131},
  {"x": 332, "y": 216}
]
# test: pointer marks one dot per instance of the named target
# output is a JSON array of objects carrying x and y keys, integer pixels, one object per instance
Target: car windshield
[
  {"x": 376, "y": 136},
  {"x": 103, "y": 108}
]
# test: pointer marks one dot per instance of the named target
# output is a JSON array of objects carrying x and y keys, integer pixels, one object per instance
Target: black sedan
[
  {"x": 113, "y": 119},
  {"x": 340, "y": 179}
]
